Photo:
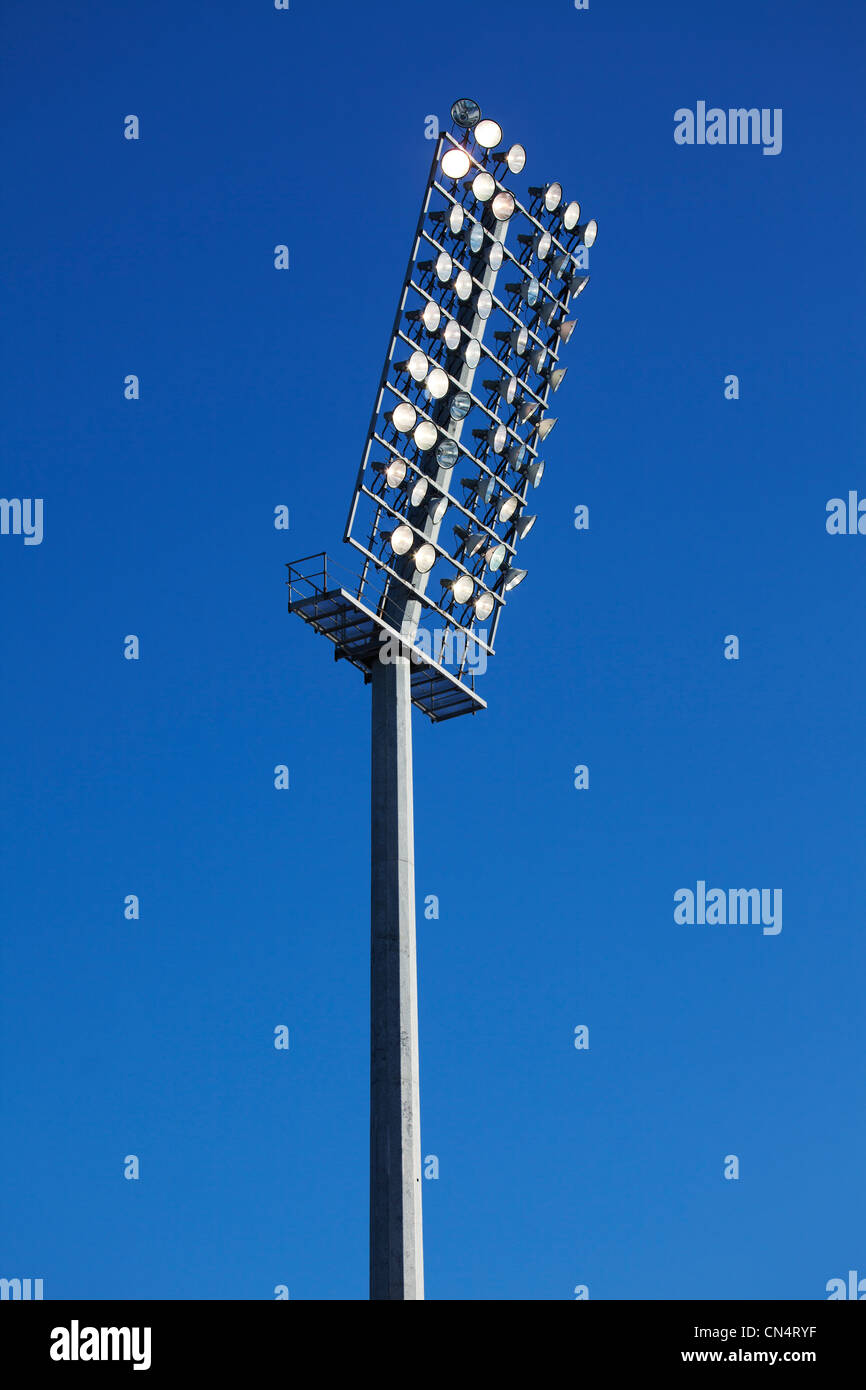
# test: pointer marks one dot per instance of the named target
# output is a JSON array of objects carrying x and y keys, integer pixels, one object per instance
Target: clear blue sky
[{"x": 154, "y": 1037}]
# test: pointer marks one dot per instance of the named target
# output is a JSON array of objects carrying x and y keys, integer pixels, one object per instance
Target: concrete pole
[{"x": 396, "y": 1251}]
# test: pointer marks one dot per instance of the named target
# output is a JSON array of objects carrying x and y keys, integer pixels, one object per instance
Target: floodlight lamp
[
  {"x": 487, "y": 133},
  {"x": 453, "y": 215},
  {"x": 429, "y": 316},
  {"x": 519, "y": 339},
  {"x": 552, "y": 196},
  {"x": 495, "y": 254},
  {"x": 441, "y": 267},
  {"x": 537, "y": 358},
  {"x": 529, "y": 290},
  {"x": 401, "y": 539},
  {"x": 507, "y": 507},
  {"x": 515, "y": 158},
  {"x": 483, "y": 187},
  {"x": 512, "y": 577},
  {"x": 460, "y": 405},
  {"x": 542, "y": 245},
  {"x": 484, "y": 304},
  {"x": 437, "y": 384},
  {"x": 470, "y": 541},
  {"x": 455, "y": 164},
  {"x": 566, "y": 329},
  {"x": 523, "y": 525},
  {"x": 473, "y": 235},
  {"x": 463, "y": 285},
  {"x": 506, "y": 387},
  {"x": 402, "y": 417},
  {"x": 526, "y": 408},
  {"x": 571, "y": 216},
  {"x": 516, "y": 454},
  {"x": 472, "y": 353},
  {"x": 436, "y": 509},
  {"x": 462, "y": 587},
  {"x": 588, "y": 232},
  {"x": 416, "y": 490},
  {"x": 484, "y": 605},
  {"x": 446, "y": 453},
  {"x": 465, "y": 113},
  {"x": 548, "y": 310},
  {"x": 555, "y": 377},
  {"x": 494, "y": 556},
  {"x": 503, "y": 205},
  {"x": 425, "y": 435},
  {"x": 576, "y": 284},
  {"x": 535, "y": 471},
  {"x": 545, "y": 426},
  {"x": 394, "y": 471},
  {"x": 451, "y": 335},
  {"x": 483, "y": 487},
  {"x": 496, "y": 436},
  {"x": 424, "y": 558},
  {"x": 416, "y": 366}
]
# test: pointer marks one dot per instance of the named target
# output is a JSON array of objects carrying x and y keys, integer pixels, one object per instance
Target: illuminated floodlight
[
  {"x": 512, "y": 577},
  {"x": 523, "y": 525},
  {"x": 441, "y": 267},
  {"x": 429, "y": 316},
  {"x": 451, "y": 335},
  {"x": 425, "y": 435},
  {"x": 416, "y": 366},
  {"x": 456, "y": 164},
  {"x": 515, "y": 158},
  {"x": 484, "y": 605},
  {"x": 463, "y": 285},
  {"x": 503, "y": 205},
  {"x": 483, "y": 187},
  {"x": 487, "y": 133},
  {"x": 402, "y": 417},
  {"x": 437, "y": 384},
  {"x": 462, "y": 588},
  {"x": 424, "y": 558},
  {"x": 465, "y": 113},
  {"x": 393, "y": 471},
  {"x": 472, "y": 353},
  {"x": 484, "y": 304},
  {"x": 401, "y": 539},
  {"x": 460, "y": 405}
]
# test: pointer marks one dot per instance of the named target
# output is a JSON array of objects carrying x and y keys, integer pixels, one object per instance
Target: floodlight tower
[{"x": 474, "y": 355}]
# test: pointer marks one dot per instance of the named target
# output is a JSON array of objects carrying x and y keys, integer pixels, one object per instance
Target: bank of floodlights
[{"x": 453, "y": 448}]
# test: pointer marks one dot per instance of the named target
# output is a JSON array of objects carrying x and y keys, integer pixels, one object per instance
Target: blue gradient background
[{"x": 155, "y": 777}]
